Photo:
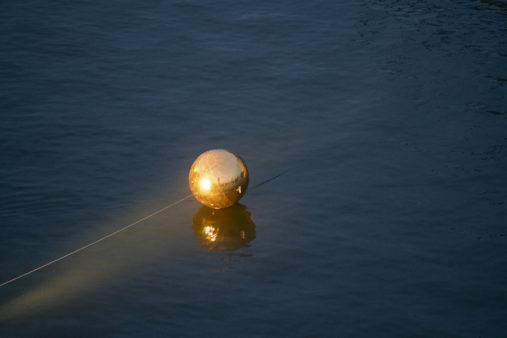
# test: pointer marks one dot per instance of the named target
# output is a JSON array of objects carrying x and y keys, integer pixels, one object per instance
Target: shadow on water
[{"x": 222, "y": 230}]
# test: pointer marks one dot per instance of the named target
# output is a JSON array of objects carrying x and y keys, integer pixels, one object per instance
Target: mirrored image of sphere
[
  {"x": 225, "y": 229},
  {"x": 218, "y": 178}
]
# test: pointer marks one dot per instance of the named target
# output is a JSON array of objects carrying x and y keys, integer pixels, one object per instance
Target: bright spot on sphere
[
  {"x": 204, "y": 183},
  {"x": 218, "y": 178}
]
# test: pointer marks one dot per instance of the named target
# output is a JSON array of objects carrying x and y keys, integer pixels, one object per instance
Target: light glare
[{"x": 205, "y": 184}]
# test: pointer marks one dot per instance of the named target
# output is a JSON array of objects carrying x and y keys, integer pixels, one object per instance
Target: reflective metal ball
[{"x": 218, "y": 178}]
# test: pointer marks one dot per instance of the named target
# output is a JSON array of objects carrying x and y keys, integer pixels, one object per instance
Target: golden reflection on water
[
  {"x": 68, "y": 283},
  {"x": 97, "y": 268},
  {"x": 223, "y": 229},
  {"x": 218, "y": 230}
]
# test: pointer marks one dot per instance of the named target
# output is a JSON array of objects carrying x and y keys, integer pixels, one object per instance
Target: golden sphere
[{"x": 218, "y": 178}]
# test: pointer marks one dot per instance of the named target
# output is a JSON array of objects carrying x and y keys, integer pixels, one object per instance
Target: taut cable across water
[
  {"x": 117, "y": 232},
  {"x": 97, "y": 241}
]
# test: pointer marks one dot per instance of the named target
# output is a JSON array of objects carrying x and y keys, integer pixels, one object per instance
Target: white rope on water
[
  {"x": 97, "y": 241},
  {"x": 120, "y": 230}
]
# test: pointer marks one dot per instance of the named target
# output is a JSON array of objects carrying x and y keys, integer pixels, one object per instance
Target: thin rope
[
  {"x": 118, "y": 231},
  {"x": 270, "y": 179},
  {"x": 97, "y": 241}
]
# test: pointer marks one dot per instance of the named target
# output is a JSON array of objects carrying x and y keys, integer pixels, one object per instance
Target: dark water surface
[{"x": 391, "y": 117}]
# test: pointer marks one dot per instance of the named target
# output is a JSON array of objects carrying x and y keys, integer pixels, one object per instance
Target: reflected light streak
[
  {"x": 210, "y": 233},
  {"x": 73, "y": 279},
  {"x": 226, "y": 229}
]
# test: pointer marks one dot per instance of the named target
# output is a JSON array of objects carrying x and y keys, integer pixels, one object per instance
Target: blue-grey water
[{"x": 390, "y": 117}]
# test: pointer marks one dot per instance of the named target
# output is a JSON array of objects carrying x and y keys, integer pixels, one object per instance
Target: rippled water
[{"x": 390, "y": 117}]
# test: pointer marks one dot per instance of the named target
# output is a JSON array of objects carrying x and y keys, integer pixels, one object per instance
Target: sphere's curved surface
[{"x": 218, "y": 178}]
